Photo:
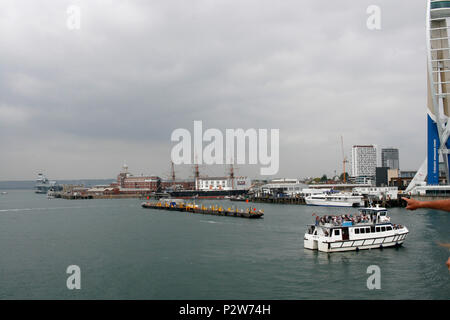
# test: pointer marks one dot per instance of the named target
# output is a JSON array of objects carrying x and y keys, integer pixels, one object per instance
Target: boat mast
[
  {"x": 196, "y": 173},
  {"x": 173, "y": 174},
  {"x": 232, "y": 176}
]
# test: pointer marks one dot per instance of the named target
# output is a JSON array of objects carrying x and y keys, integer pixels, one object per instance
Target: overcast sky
[{"x": 78, "y": 103}]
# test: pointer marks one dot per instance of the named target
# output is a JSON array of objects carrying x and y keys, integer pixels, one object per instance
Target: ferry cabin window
[
  {"x": 388, "y": 228},
  {"x": 383, "y": 229},
  {"x": 356, "y": 231},
  {"x": 377, "y": 229},
  {"x": 372, "y": 229},
  {"x": 362, "y": 230},
  {"x": 337, "y": 232},
  {"x": 368, "y": 230}
]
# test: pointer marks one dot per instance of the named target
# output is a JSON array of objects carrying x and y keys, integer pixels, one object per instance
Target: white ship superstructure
[
  {"x": 335, "y": 200},
  {"x": 43, "y": 184}
]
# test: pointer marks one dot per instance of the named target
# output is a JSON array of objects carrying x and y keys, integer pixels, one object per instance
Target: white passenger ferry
[
  {"x": 335, "y": 200},
  {"x": 369, "y": 229}
]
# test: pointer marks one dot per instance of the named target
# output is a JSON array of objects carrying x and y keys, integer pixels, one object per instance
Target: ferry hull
[{"x": 353, "y": 245}]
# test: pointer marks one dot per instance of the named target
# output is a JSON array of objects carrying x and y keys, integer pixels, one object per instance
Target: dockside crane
[{"x": 344, "y": 159}]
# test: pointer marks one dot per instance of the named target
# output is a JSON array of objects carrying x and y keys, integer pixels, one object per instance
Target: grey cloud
[{"x": 137, "y": 70}]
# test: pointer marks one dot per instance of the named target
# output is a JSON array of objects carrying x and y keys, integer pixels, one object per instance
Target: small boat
[
  {"x": 238, "y": 198},
  {"x": 370, "y": 229},
  {"x": 3, "y": 192},
  {"x": 335, "y": 200}
]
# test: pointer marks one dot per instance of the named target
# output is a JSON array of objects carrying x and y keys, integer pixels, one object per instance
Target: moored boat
[
  {"x": 370, "y": 229},
  {"x": 335, "y": 200},
  {"x": 43, "y": 185}
]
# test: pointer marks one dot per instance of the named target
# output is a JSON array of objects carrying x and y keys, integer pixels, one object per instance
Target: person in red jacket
[{"x": 435, "y": 204}]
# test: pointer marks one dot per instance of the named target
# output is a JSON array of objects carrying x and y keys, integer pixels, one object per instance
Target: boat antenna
[{"x": 196, "y": 173}]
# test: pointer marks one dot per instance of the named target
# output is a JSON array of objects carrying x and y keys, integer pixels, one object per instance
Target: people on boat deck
[{"x": 339, "y": 219}]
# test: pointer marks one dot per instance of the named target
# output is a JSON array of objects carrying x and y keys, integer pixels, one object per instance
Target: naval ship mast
[
  {"x": 196, "y": 174},
  {"x": 232, "y": 176}
]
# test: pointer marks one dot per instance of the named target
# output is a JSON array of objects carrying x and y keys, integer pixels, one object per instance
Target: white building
[
  {"x": 222, "y": 183},
  {"x": 364, "y": 162},
  {"x": 290, "y": 187},
  {"x": 379, "y": 193}
]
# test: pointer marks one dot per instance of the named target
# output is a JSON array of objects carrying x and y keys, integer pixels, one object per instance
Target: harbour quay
[
  {"x": 300, "y": 200},
  {"x": 276, "y": 191}
]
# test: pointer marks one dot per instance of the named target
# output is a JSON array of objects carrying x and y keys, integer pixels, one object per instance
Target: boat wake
[
  {"x": 52, "y": 208},
  {"x": 209, "y": 221}
]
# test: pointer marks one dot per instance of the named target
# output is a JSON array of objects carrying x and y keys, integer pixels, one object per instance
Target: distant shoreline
[{"x": 29, "y": 184}]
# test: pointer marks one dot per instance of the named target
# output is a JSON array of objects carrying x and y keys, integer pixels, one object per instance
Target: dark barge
[{"x": 171, "y": 205}]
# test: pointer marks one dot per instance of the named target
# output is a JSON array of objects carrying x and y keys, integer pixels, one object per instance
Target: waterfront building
[
  {"x": 126, "y": 180},
  {"x": 281, "y": 187},
  {"x": 389, "y": 158},
  {"x": 222, "y": 183},
  {"x": 402, "y": 179},
  {"x": 136, "y": 182},
  {"x": 381, "y": 176},
  {"x": 364, "y": 162},
  {"x": 379, "y": 193},
  {"x": 392, "y": 174}
]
